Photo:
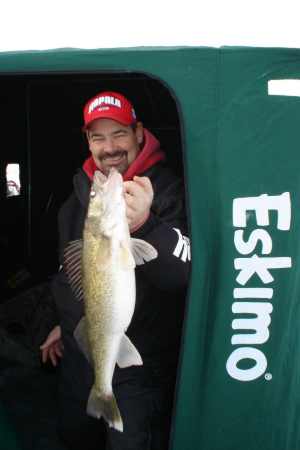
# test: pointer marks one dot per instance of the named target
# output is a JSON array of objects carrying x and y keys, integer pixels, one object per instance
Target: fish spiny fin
[
  {"x": 128, "y": 354},
  {"x": 72, "y": 266},
  {"x": 142, "y": 251},
  {"x": 80, "y": 335},
  {"x": 105, "y": 406}
]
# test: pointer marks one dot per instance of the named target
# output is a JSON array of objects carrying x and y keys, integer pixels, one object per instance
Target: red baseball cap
[{"x": 109, "y": 105}]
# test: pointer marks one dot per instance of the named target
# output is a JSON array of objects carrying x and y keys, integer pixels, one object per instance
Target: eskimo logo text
[{"x": 255, "y": 300}]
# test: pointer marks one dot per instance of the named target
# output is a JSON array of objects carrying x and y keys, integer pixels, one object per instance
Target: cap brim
[{"x": 111, "y": 117}]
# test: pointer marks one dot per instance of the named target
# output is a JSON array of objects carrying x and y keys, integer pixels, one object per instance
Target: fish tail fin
[{"x": 105, "y": 406}]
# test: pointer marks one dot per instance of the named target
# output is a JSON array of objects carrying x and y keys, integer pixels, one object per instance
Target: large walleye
[{"x": 101, "y": 272}]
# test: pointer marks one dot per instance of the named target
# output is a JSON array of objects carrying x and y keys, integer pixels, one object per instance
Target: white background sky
[{"x": 43, "y": 24}]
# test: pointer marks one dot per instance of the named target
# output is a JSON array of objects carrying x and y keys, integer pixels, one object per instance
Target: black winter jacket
[{"x": 161, "y": 284}]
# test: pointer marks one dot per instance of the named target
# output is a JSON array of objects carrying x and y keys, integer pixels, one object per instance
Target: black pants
[
  {"x": 146, "y": 409},
  {"x": 145, "y": 402},
  {"x": 77, "y": 430},
  {"x": 145, "y": 397}
]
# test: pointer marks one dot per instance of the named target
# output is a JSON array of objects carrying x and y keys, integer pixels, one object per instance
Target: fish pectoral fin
[
  {"x": 128, "y": 354},
  {"x": 80, "y": 335},
  {"x": 126, "y": 257},
  {"x": 142, "y": 251}
]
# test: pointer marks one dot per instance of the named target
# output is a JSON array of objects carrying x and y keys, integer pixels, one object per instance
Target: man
[{"x": 155, "y": 212}]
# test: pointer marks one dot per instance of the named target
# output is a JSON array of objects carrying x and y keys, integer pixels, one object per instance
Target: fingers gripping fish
[{"x": 100, "y": 268}]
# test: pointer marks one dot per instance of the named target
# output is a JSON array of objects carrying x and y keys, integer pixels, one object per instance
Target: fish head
[{"x": 107, "y": 202}]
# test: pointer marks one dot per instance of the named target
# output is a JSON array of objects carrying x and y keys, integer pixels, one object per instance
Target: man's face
[{"x": 113, "y": 144}]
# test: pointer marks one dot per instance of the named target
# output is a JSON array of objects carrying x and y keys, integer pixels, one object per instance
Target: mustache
[{"x": 115, "y": 154}]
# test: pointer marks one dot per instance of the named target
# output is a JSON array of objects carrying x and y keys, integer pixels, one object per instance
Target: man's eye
[{"x": 96, "y": 138}]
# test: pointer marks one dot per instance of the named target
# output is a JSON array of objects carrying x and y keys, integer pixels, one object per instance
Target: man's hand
[
  {"x": 53, "y": 347},
  {"x": 138, "y": 197}
]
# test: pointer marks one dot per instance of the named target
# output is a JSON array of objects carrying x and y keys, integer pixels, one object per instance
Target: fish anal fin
[
  {"x": 128, "y": 355},
  {"x": 142, "y": 251}
]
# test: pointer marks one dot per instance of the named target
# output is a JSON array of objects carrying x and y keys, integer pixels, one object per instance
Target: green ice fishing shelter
[
  {"x": 8, "y": 437},
  {"x": 237, "y": 142}
]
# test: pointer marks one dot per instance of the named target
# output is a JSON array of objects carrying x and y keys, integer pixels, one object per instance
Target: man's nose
[{"x": 109, "y": 146}]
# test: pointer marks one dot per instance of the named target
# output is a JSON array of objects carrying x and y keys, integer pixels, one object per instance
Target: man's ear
[
  {"x": 139, "y": 132},
  {"x": 87, "y": 133}
]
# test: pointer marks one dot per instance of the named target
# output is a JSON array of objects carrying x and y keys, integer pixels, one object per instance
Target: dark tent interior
[{"x": 41, "y": 120}]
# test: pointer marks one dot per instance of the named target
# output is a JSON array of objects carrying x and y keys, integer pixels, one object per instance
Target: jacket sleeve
[{"x": 166, "y": 230}]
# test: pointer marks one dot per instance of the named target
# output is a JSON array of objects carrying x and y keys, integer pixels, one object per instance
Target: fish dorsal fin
[
  {"x": 72, "y": 266},
  {"x": 142, "y": 251},
  {"x": 80, "y": 335},
  {"x": 126, "y": 257},
  {"x": 128, "y": 354}
]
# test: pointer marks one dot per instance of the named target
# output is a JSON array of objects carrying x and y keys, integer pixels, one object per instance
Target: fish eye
[{"x": 92, "y": 194}]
